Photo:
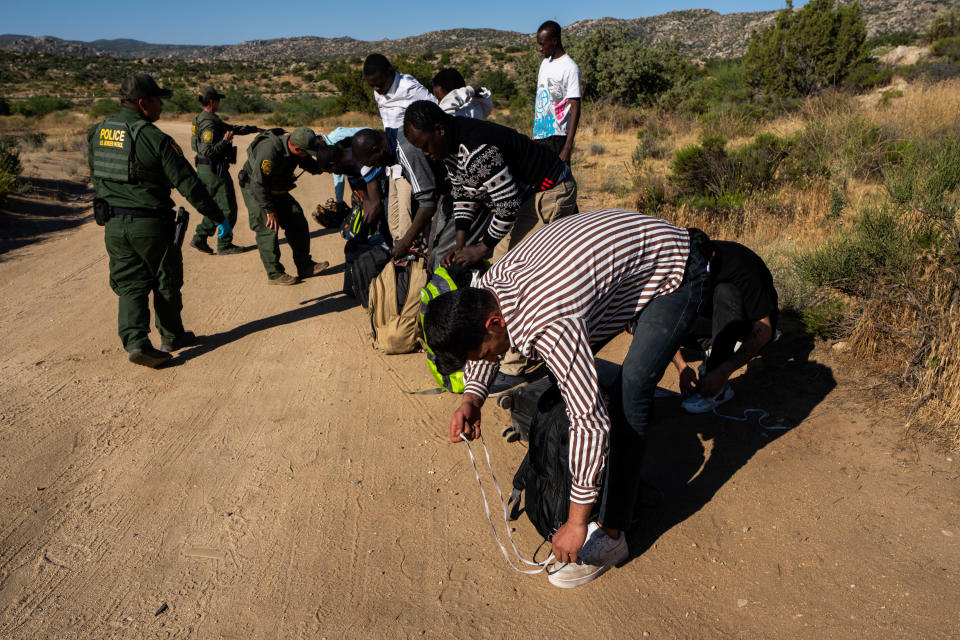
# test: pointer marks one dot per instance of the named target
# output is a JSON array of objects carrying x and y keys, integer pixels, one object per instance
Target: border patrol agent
[
  {"x": 265, "y": 182},
  {"x": 212, "y": 140},
  {"x": 133, "y": 166}
]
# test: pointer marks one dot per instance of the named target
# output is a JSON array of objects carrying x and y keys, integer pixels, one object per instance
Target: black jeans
[{"x": 661, "y": 327}]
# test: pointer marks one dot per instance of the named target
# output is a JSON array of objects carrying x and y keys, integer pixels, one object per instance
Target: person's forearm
[
  {"x": 579, "y": 513},
  {"x": 679, "y": 362},
  {"x": 759, "y": 336},
  {"x": 420, "y": 220},
  {"x": 574, "y": 123}
]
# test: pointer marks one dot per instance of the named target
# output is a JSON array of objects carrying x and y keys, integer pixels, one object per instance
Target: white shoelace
[
  {"x": 541, "y": 566},
  {"x": 763, "y": 416}
]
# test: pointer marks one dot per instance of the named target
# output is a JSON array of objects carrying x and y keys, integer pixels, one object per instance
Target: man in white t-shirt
[
  {"x": 394, "y": 92},
  {"x": 557, "y": 106}
]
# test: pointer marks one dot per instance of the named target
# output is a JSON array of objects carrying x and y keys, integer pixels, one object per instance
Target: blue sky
[{"x": 226, "y": 22}]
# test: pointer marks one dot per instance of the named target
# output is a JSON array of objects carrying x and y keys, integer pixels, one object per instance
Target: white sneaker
[
  {"x": 698, "y": 404},
  {"x": 599, "y": 553}
]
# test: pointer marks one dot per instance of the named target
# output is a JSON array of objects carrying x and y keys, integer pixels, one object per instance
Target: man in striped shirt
[{"x": 563, "y": 292}]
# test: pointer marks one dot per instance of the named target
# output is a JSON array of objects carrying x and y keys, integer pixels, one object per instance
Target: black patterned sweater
[{"x": 495, "y": 166}]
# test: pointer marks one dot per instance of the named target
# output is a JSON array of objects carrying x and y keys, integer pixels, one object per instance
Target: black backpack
[{"x": 544, "y": 473}]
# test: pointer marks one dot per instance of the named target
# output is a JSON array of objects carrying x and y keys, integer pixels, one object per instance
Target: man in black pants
[{"x": 737, "y": 322}]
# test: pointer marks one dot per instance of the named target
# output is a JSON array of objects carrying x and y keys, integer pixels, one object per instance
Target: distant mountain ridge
[{"x": 702, "y": 32}]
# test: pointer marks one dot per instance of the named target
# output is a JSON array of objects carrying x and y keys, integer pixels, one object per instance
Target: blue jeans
[{"x": 660, "y": 329}]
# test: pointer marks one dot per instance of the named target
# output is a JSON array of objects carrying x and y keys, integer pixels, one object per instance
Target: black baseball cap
[
  {"x": 209, "y": 93},
  {"x": 142, "y": 85}
]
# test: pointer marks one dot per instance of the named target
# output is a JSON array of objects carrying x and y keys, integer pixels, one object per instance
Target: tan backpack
[{"x": 393, "y": 331}]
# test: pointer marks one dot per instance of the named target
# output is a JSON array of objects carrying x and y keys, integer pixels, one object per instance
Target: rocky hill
[{"x": 701, "y": 32}]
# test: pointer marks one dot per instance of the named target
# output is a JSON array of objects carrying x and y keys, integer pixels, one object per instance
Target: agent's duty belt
[
  {"x": 279, "y": 192},
  {"x": 141, "y": 213}
]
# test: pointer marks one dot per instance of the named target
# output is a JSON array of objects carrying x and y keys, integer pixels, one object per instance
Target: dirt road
[{"x": 277, "y": 482}]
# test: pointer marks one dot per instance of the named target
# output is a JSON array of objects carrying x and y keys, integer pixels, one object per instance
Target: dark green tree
[{"x": 804, "y": 52}]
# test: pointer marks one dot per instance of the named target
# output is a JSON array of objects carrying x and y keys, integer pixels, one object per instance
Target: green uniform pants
[
  {"x": 143, "y": 258},
  {"x": 224, "y": 194},
  {"x": 294, "y": 224}
]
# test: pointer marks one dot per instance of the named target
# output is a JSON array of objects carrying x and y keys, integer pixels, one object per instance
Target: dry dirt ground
[{"x": 277, "y": 482}]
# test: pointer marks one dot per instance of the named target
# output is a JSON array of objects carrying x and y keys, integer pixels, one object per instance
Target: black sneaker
[
  {"x": 149, "y": 357},
  {"x": 185, "y": 339},
  {"x": 200, "y": 244},
  {"x": 503, "y": 383},
  {"x": 230, "y": 249}
]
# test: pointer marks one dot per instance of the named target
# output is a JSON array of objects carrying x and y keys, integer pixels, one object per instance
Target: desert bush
[
  {"x": 353, "y": 93},
  {"x": 807, "y": 51},
  {"x": 103, "y": 108},
  {"x": 839, "y": 145},
  {"x": 896, "y": 39},
  {"x": 9, "y": 167},
  {"x": 299, "y": 111},
  {"x": 947, "y": 48},
  {"x": 945, "y": 24},
  {"x": 709, "y": 171},
  {"x": 40, "y": 105},
  {"x": 618, "y": 69},
  {"x": 498, "y": 82},
  {"x": 867, "y": 75},
  {"x": 596, "y": 148},
  {"x": 244, "y": 101}
]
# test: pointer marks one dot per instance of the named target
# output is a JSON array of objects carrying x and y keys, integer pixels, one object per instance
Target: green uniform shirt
[
  {"x": 156, "y": 153},
  {"x": 208, "y": 132},
  {"x": 270, "y": 167}
]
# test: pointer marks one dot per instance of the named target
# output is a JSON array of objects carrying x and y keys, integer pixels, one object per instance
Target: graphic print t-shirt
[{"x": 557, "y": 82}]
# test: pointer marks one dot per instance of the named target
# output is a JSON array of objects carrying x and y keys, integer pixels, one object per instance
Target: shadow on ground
[
  {"x": 41, "y": 208},
  {"x": 329, "y": 303},
  {"x": 783, "y": 381}
]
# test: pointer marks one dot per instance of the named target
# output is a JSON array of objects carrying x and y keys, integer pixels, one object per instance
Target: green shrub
[
  {"x": 897, "y": 39},
  {"x": 807, "y": 51},
  {"x": 9, "y": 167},
  {"x": 824, "y": 320},
  {"x": 619, "y": 69},
  {"x": 498, "y": 82},
  {"x": 925, "y": 176},
  {"x": 947, "y": 48},
  {"x": 103, "y": 108},
  {"x": 40, "y": 106},
  {"x": 846, "y": 145},
  {"x": 353, "y": 92},
  {"x": 877, "y": 248},
  {"x": 945, "y": 24},
  {"x": 297, "y": 111},
  {"x": 867, "y": 75},
  {"x": 244, "y": 101},
  {"x": 708, "y": 173}
]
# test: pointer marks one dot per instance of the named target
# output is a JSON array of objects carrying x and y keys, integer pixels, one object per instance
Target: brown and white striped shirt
[{"x": 571, "y": 285}]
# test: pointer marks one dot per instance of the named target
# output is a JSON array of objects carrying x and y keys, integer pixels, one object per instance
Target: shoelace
[
  {"x": 763, "y": 416},
  {"x": 541, "y": 566}
]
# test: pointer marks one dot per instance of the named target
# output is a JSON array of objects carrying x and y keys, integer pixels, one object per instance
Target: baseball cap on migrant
[
  {"x": 209, "y": 93},
  {"x": 142, "y": 85},
  {"x": 305, "y": 138}
]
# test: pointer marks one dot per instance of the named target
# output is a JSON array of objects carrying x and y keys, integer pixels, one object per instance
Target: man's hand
[
  {"x": 712, "y": 383},
  {"x": 228, "y": 136},
  {"x": 471, "y": 255},
  {"x": 272, "y": 222},
  {"x": 466, "y": 419},
  {"x": 568, "y": 540},
  {"x": 688, "y": 381},
  {"x": 565, "y": 154},
  {"x": 401, "y": 249}
]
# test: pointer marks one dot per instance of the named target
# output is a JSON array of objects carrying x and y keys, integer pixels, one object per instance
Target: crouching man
[
  {"x": 738, "y": 320},
  {"x": 561, "y": 293}
]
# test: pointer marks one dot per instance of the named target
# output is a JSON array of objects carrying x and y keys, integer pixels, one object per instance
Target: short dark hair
[
  {"x": 374, "y": 63},
  {"x": 552, "y": 29},
  {"x": 455, "y": 324},
  {"x": 424, "y": 115},
  {"x": 367, "y": 142},
  {"x": 448, "y": 79}
]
